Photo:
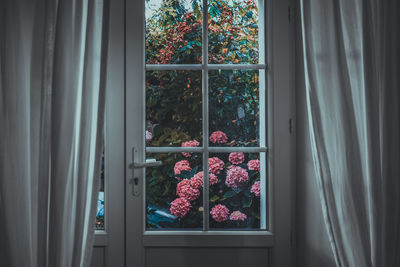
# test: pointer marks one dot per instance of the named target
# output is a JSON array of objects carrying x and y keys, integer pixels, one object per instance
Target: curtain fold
[
  {"x": 52, "y": 77},
  {"x": 352, "y": 81}
]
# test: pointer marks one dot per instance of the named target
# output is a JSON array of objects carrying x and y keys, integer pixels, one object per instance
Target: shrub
[{"x": 174, "y": 113}]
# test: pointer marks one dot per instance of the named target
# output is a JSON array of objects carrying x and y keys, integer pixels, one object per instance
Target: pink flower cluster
[
  {"x": 255, "y": 189},
  {"x": 215, "y": 165},
  {"x": 237, "y": 216},
  {"x": 218, "y": 137},
  {"x": 235, "y": 176},
  {"x": 197, "y": 180},
  {"x": 149, "y": 136},
  {"x": 236, "y": 158},
  {"x": 180, "y": 206},
  {"x": 254, "y": 165},
  {"x": 191, "y": 143},
  {"x": 184, "y": 189},
  {"x": 182, "y": 165},
  {"x": 187, "y": 190},
  {"x": 220, "y": 213}
]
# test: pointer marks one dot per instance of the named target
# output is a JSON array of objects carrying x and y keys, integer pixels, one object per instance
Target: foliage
[{"x": 174, "y": 102}]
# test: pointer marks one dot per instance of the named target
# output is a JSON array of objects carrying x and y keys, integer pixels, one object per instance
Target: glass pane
[
  {"x": 174, "y": 197},
  {"x": 236, "y": 191},
  {"x": 173, "y": 108},
  {"x": 173, "y": 31},
  {"x": 100, "y": 201},
  {"x": 233, "y": 32},
  {"x": 234, "y": 107}
]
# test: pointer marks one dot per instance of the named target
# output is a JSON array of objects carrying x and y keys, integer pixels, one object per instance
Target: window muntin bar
[
  {"x": 204, "y": 53},
  {"x": 209, "y": 66},
  {"x": 202, "y": 149}
]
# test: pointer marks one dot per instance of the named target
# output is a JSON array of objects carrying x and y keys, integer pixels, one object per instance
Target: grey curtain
[
  {"x": 352, "y": 74},
  {"x": 52, "y": 70}
]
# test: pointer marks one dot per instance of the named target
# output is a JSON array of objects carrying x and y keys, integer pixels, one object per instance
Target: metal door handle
[
  {"x": 148, "y": 163},
  {"x": 135, "y": 165}
]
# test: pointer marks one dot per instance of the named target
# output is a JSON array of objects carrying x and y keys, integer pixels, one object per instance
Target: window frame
[
  {"x": 281, "y": 161},
  {"x": 206, "y": 149}
]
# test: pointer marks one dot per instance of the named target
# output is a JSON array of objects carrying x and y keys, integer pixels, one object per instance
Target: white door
[{"x": 208, "y": 147}]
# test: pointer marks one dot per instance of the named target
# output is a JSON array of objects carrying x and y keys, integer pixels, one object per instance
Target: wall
[{"x": 312, "y": 243}]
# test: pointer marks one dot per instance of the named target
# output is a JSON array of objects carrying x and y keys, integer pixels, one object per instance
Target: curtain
[
  {"x": 52, "y": 66},
  {"x": 352, "y": 81}
]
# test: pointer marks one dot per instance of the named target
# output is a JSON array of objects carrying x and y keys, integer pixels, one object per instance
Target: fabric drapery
[
  {"x": 352, "y": 80},
  {"x": 52, "y": 66}
]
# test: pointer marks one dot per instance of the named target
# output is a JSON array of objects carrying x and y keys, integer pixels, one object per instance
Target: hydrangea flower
[
  {"x": 236, "y": 158},
  {"x": 218, "y": 137},
  {"x": 254, "y": 165},
  {"x": 149, "y": 136},
  {"x": 182, "y": 165},
  {"x": 220, "y": 213},
  {"x": 237, "y": 216},
  {"x": 235, "y": 176},
  {"x": 197, "y": 180},
  {"x": 185, "y": 190},
  {"x": 191, "y": 143},
  {"x": 180, "y": 207},
  {"x": 255, "y": 189},
  {"x": 215, "y": 165}
]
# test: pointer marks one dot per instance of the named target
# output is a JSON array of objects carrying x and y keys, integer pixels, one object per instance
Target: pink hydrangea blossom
[
  {"x": 236, "y": 158},
  {"x": 191, "y": 143},
  {"x": 182, "y": 165},
  {"x": 215, "y": 165},
  {"x": 180, "y": 207},
  {"x": 220, "y": 213},
  {"x": 237, "y": 216},
  {"x": 255, "y": 189},
  {"x": 236, "y": 176},
  {"x": 185, "y": 190},
  {"x": 149, "y": 136},
  {"x": 254, "y": 165},
  {"x": 197, "y": 179},
  {"x": 218, "y": 137}
]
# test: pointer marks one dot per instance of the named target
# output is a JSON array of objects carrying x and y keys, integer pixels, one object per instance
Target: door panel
[
  {"x": 210, "y": 257},
  {"x": 98, "y": 257}
]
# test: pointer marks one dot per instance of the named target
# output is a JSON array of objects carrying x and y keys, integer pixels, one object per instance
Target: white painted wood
[
  {"x": 209, "y": 66},
  {"x": 280, "y": 77},
  {"x": 135, "y": 127},
  {"x": 210, "y": 149},
  {"x": 206, "y": 195},
  {"x": 207, "y": 257},
  {"x": 110, "y": 243},
  {"x": 279, "y": 99},
  {"x": 98, "y": 257}
]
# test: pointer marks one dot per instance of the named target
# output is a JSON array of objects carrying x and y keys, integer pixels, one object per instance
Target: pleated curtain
[
  {"x": 52, "y": 76},
  {"x": 351, "y": 54}
]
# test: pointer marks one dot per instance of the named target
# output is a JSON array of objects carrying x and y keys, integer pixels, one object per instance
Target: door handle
[
  {"x": 135, "y": 165},
  {"x": 148, "y": 163}
]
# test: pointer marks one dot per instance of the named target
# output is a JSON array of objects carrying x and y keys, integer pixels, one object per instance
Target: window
[
  {"x": 206, "y": 119},
  {"x": 100, "y": 200}
]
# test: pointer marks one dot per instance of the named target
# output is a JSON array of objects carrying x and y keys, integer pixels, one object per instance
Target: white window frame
[
  {"x": 109, "y": 244},
  {"x": 127, "y": 72},
  {"x": 206, "y": 149}
]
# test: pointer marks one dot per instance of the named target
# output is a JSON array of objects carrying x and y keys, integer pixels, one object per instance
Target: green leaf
[
  {"x": 214, "y": 198},
  {"x": 247, "y": 201},
  {"x": 237, "y": 190},
  {"x": 229, "y": 194},
  {"x": 194, "y": 171},
  {"x": 247, "y": 193}
]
